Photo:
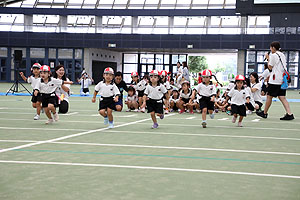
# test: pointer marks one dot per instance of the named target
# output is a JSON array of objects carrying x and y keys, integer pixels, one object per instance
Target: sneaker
[
  {"x": 129, "y": 110},
  {"x": 198, "y": 111},
  {"x": 212, "y": 115},
  {"x": 49, "y": 121},
  {"x": 287, "y": 117},
  {"x": 262, "y": 114},
  {"x": 56, "y": 117},
  {"x": 136, "y": 110},
  {"x": 142, "y": 110},
  {"x": 228, "y": 112},
  {"x": 155, "y": 125},
  {"x": 111, "y": 124},
  {"x": 105, "y": 120},
  {"x": 233, "y": 119},
  {"x": 216, "y": 110},
  {"x": 162, "y": 116},
  {"x": 191, "y": 112},
  {"x": 240, "y": 124},
  {"x": 248, "y": 112},
  {"x": 171, "y": 110},
  {"x": 36, "y": 117},
  {"x": 181, "y": 111},
  {"x": 166, "y": 111},
  {"x": 204, "y": 124}
]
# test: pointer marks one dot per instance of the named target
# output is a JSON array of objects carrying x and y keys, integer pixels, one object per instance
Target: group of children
[
  {"x": 46, "y": 91},
  {"x": 155, "y": 92}
]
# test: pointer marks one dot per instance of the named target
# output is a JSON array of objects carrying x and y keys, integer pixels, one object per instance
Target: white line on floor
[
  {"x": 223, "y": 119},
  {"x": 72, "y": 113},
  {"x": 150, "y": 168},
  {"x": 191, "y": 118},
  {"x": 161, "y": 147},
  {"x": 255, "y": 120},
  {"x": 46, "y": 129}
]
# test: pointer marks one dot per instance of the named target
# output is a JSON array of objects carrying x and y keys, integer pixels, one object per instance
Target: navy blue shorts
[{"x": 120, "y": 102}]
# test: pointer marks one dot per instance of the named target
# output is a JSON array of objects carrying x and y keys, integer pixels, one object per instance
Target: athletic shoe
[
  {"x": 142, "y": 110},
  {"x": 162, "y": 116},
  {"x": 204, "y": 124},
  {"x": 56, "y": 117},
  {"x": 49, "y": 121},
  {"x": 262, "y": 114},
  {"x": 36, "y": 117},
  {"x": 248, "y": 112},
  {"x": 105, "y": 120},
  {"x": 216, "y": 110},
  {"x": 166, "y": 111},
  {"x": 181, "y": 111},
  {"x": 228, "y": 112},
  {"x": 287, "y": 117},
  {"x": 212, "y": 115},
  {"x": 233, "y": 119},
  {"x": 240, "y": 124},
  {"x": 136, "y": 110},
  {"x": 111, "y": 125},
  {"x": 191, "y": 112},
  {"x": 198, "y": 111},
  {"x": 155, "y": 125},
  {"x": 129, "y": 110}
]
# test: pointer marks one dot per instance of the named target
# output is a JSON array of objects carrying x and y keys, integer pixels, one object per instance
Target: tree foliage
[{"x": 197, "y": 63}]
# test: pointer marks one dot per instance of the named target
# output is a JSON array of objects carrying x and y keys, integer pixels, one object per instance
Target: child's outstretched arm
[
  {"x": 94, "y": 97},
  {"x": 23, "y": 77},
  {"x": 144, "y": 101},
  {"x": 67, "y": 82}
]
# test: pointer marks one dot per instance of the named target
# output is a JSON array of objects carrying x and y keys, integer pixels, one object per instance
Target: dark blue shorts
[{"x": 120, "y": 102}]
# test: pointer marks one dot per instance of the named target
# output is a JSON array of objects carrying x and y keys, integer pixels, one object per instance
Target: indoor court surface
[{"x": 80, "y": 158}]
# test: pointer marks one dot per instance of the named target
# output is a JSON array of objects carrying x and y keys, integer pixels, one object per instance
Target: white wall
[{"x": 91, "y": 54}]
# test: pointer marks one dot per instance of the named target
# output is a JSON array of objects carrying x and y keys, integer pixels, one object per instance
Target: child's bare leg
[
  {"x": 153, "y": 117},
  {"x": 51, "y": 108},
  {"x": 241, "y": 118},
  {"x": 38, "y": 107},
  {"x": 34, "y": 105},
  {"x": 103, "y": 113},
  {"x": 204, "y": 110},
  {"x": 47, "y": 112},
  {"x": 109, "y": 114},
  {"x": 135, "y": 105}
]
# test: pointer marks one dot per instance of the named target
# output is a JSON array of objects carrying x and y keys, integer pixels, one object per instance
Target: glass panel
[
  {"x": 150, "y": 68},
  {"x": 294, "y": 56},
  {"x": 65, "y": 53},
  {"x": 260, "y": 68},
  {"x": 127, "y": 78},
  {"x": 130, "y": 58},
  {"x": 78, "y": 53},
  {"x": 250, "y": 56},
  {"x": 159, "y": 59},
  {"x": 52, "y": 53},
  {"x": 41, "y": 61},
  {"x": 293, "y": 69},
  {"x": 167, "y": 58},
  {"x": 261, "y": 56},
  {"x": 78, "y": 66},
  {"x": 3, "y": 51},
  {"x": 37, "y": 53},
  {"x": 167, "y": 68},
  {"x": 23, "y": 51},
  {"x": 182, "y": 58},
  {"x": 294, "y": 82},
  {"x": 174, "y": 68},
  {"x": 144, "y": 68},
  {"x": 159, "y": 67},
  {"x": 147, "y": 58},
  {"x": 128, "y": 68},
  {"x": 174, "y": 59},
  {"x": 250, "y": 67}
]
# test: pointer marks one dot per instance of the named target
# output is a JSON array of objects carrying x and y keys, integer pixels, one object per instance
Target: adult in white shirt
[{"x": 276, "y": 63}]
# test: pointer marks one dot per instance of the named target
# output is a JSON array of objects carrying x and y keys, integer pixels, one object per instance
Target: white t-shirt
[
  {"x": 265, "y": 75},
  {"x": 132, "y": 98},
  {"x": 278, "y": 68},
  {"x": 156, "y": 92},
  {"x": 238, "y": 97},
  {"x": 188, "y": 95},
  {"x": 257, "y": 93},
  {"x": 107, "y": 90},
  {"x": 50, "y": 87},
  {"x": 206, "y": 90},
  {"x": 141, "y": 85},
  {"x": 85, "y": 83},
  {"x": 32, "y": 80},
  {"x": 230, "y": 86},
  {"x": 167, "y": 85},
  {"x": 248, "y": 89},
  {"x": 174, "y": 100},
  {"x": 59, "y": 91}
]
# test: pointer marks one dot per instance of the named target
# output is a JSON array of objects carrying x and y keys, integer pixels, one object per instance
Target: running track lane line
[
  {"x": 71, "y": 136},
  {"x": 151, "y": 168}
]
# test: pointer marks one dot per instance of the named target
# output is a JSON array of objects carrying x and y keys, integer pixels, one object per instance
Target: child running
[
  {"x": 36, "y": 100},
  {"x": 238, "y": 96},
  {"x": 153, "y": 97},
  {"x": 47, "y": 86},
  {"x": 109, "y": 94},
  {"x": 207, "y": 92}
]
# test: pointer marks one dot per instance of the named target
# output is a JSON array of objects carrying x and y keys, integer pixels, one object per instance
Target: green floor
[{"x": 179, "y": 160}]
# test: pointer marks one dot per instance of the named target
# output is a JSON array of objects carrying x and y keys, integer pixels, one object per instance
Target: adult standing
[
  {"x": 186, "y": 73},
  {"x": 276, "y": 63},
  {"x": 62, "y": 92}
]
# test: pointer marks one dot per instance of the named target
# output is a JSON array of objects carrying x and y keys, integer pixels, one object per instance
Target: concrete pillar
[
  {"x": 208, "y": 23},
  {"x": 87, "y": 60},
  {"x": 134, "y": 24},
  {"x": 241, "y": 62},
  {"x": 170, "y": 24},
  {"x": 28, "y": 23},
  {"x": 244, "y": 24},
  {"x": 63, "y": 23},
  {"x": 98, "y": 24}
]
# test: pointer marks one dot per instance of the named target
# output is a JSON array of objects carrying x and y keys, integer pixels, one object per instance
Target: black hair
[
  {"x": 255, "y": 75},
  {"x": 172, "y": 79},
  {"x": 55, "y": 74},
  {"x": 118, "y": 74},
  {"x": 184, "y": 64},
  {"x": 247, "y": 81},
  {"x": 147, "y": 77},
  {"x": 178, "y": 62},
  {"x": 130, "y": 88},
  {"x": 276, "y": 45}
]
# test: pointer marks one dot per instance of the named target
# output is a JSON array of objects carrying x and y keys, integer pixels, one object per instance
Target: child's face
[
  {"x": 118, "y": 79},
  {"x": 108, "y": 77},
  {"x": 206, "y": 79},
  {"x": 60, "y": 72},
  {"x": 134, "y": 78},
  {"x": 239, "y": 84},
  {"x": 130, "y": 93},
  {"x": 185, "y": 86},
  {"x": 44, "y": 75},
  {"x": 35, "y": 71},
  {"x": 175, "y": 94},
  {"x": 172, "y": 82},
  {"x": 153, "y": 79}
]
